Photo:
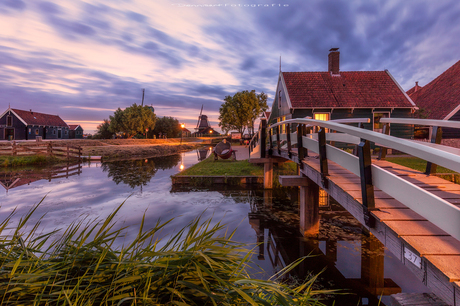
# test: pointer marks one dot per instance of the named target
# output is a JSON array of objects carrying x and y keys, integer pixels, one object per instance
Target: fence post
[
  {"x": 383, "y": 150},
  {"x": 436, "y": 138},
  {"x": 288, "y": 138},
  {"x": 263, "y": 138},
  {"x": 322, "y": 157},
  {"x": 68, "y": 152},
  {"x": 50, "y": 149},
  {"x": 14, "y": 148},
  {"x": 367, "y": 189}
]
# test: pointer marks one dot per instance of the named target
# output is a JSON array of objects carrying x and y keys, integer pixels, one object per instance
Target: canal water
[{"x": 349, "y": 258}]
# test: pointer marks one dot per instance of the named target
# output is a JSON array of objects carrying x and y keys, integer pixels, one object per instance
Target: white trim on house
[
  {"x": 400, "y": 88},
  {"x": 452, "y": 113},
  {"x": 288, "y": 100},
  {"x": 19, "y": 117}
]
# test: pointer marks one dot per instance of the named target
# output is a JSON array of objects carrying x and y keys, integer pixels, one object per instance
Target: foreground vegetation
[{"x": 196, "y": 266}]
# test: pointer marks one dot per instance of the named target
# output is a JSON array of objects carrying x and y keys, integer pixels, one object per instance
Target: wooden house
[
  {"x": 75, "y": 131},
  {"x": 16, "y": 124},
  {"x": 336, "y": 94},
  {"x": 440, "y": 99}
]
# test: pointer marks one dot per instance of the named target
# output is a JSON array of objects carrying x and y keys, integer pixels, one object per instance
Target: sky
[{"x": 82, "y": 60}]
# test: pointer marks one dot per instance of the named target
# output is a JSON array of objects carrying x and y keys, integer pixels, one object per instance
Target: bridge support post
[
  {"x": 268, "y": 174},
  {"x": 278, "y": 141},
  {"x": 270, "y": 141},
  {"x": 436, "y": 137},
  {"x": 309, "y": 209},
  {"x": 263, "y": 138},
  {"x": 383, "y": 150},
  {"x": 322, "y": 157},
  {"x": 288, "y": 137},
  {"x": 367, "y": 189}
]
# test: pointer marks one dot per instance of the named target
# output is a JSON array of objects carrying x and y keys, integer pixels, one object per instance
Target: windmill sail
[{"x": 199, "y": 119}]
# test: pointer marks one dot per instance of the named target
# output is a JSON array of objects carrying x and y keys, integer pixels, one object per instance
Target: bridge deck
[{"x": 399, "y": 227}]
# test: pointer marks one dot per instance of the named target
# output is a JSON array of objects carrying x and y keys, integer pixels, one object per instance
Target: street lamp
[{"x": 182, "y": 126}]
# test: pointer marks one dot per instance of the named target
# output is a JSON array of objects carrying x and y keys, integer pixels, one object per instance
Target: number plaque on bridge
[{"x": 412, "y": 257}]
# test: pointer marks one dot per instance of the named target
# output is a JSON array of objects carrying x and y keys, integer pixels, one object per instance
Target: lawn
[
  {"x": 220, "y": 167},
  {"x": 415, "y": 163}
]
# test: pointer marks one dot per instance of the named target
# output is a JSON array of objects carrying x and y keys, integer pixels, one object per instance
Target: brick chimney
[
  {"x": 334, "y": 61},
  {"x": 416, "y": 86}
]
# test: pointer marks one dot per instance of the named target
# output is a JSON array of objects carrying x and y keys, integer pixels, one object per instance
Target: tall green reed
[{"x": 196, "y": 266}]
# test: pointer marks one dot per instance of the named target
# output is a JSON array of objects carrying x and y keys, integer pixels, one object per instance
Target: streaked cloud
[{"x": 82, "y": 60}]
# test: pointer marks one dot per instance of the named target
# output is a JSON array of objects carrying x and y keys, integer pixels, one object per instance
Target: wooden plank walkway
[{"x": 399, "y": 228}]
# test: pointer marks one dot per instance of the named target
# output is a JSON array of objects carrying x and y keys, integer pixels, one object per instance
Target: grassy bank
[
  {"x": 196, "y": 266},
  {"x": 223, "y": 167},
  {"x": 21, "y": 161},
  {"x": 415, "y": 163}
]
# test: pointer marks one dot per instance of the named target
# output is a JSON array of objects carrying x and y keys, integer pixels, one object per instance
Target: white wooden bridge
[{"x": 415, "y": 215}]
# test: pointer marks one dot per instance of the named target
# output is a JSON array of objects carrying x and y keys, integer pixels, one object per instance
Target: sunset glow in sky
[{"x": 82, "y": 60}]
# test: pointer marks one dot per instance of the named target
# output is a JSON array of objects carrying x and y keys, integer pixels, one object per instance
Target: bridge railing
[
  {"x": 435, "y": 135},
  {"x": 435, "y": 209}
]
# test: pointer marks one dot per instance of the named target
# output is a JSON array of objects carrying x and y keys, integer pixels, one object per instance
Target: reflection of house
[
  {"x": 75, "y": 131},
  {"x": 20, "y": 124},
  {"x": 334, "y": 94},
  {"x": 440, "y": 99}
]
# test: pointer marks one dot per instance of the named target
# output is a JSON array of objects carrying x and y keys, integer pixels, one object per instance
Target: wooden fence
[{"x": 47, "y": 149}]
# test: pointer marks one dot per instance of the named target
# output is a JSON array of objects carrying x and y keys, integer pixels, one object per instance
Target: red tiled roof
[
  {"x": 442, "y": 95},
  {"x": 73, "y": 126},
  {"x": 413, "y": 90},
  {"x": 349, "y": 89},
  {"x": 34, "y": 118}
]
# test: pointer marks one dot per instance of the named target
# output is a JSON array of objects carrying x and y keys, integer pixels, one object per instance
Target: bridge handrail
[
  {"x": 429, "y": 122},
  {"x": 429, "y": 205},
  {"x": 439, "y": 157}
]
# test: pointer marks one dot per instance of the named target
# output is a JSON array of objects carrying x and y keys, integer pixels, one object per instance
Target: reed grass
[{"x": 196, "y": 266}]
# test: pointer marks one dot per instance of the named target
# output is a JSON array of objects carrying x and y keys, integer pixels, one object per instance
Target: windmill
[{"x": 203, "y": 126}]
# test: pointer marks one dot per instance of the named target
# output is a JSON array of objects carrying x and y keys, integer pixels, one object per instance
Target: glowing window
[{"x": 321, "y": 116}]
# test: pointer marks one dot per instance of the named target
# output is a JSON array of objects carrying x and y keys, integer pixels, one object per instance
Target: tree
[
  {"x": 168, "y": 126},
  {"x": 103, "y": 131},
  {"x": 133, "y": 120},
  {"x": 240, "y": 111}
]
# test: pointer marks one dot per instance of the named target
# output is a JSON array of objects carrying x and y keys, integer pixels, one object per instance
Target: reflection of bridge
[
  {"x": 415, "y": 215},
  {"x": 280, "y": 246}
]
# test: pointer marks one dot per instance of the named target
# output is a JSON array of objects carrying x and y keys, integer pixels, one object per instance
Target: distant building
[
  {"x": 334, "y": 94},
  {"x": 203, "y": 127},
  {"x": 440, "y": 99},
  {"x": 16, "y": 124},
  {"x": 75, "y": 131},
  {"x": 186, "y": 133}
]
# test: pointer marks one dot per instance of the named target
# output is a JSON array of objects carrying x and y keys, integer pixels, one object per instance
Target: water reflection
[
  {"x": 348, "y": 257},
  {"x": 13, "y": 178},
  {"x": 136, "y": 173},
  {"x": 277, "y": 229},
  {"x": 353, "y": 260}
]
